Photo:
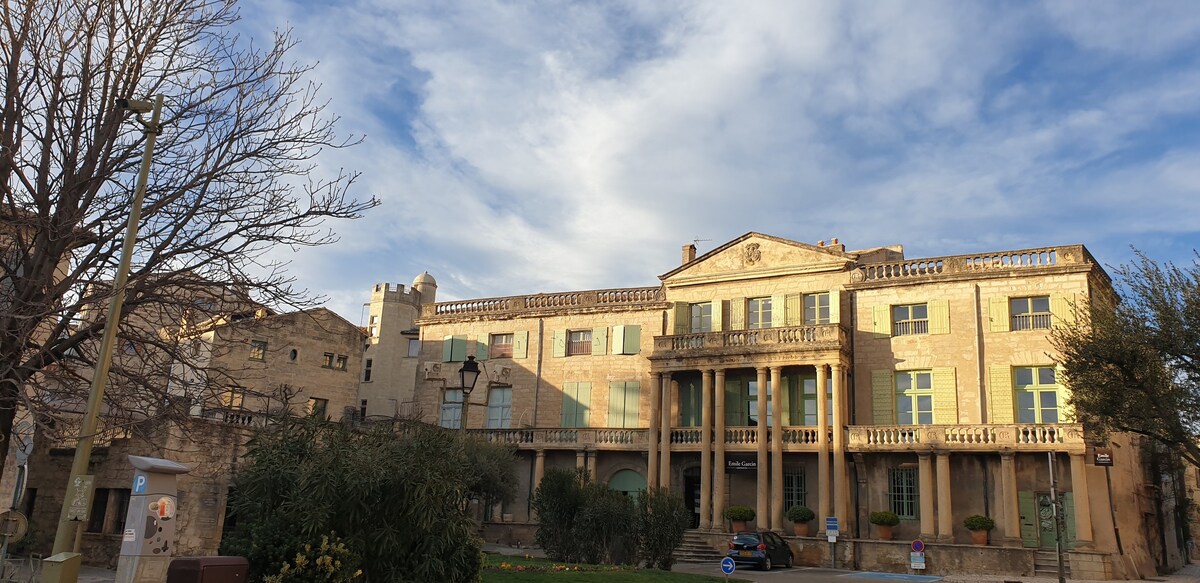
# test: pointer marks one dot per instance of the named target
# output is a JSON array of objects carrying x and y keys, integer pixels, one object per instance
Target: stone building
[{"x": 770, "y": 373}]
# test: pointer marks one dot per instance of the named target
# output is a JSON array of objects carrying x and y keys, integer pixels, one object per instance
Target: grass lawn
[{"x": 493, "y": 573}]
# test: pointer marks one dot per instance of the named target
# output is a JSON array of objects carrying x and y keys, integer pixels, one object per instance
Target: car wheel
[
  {"x": 788, "y": 564},
  {"x": 766, "y": 564}
]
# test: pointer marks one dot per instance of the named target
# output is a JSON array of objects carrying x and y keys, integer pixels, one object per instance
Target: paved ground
[{"x": 1189, "y": 574}]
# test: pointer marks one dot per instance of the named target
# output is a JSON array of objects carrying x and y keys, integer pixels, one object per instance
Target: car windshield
[{"x": 746, "y": 539}]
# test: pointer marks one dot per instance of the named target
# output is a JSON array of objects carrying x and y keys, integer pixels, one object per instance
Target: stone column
[
  {"x": 706, "y": 402},
  {"x": 824, "y": 494},
  {"x": 718, "y": 497},
  {"x": 1010, "y": 507},
  {"x": 777, "y": 508},
  {"x": 652, "y": 435},
  {"x": 945, "y": 514},
  {"x": 841, "y": 477},
  {"x": 762, "y": 509},
  {"x": 580, "y": 459},
  {"x": 591, "y": 463},
  {"x": 539, "y": 467},
  {"x": 1083, "y": 508},
  {"x": 664, "y": 456},
  {"x": 925, "y": 495}
]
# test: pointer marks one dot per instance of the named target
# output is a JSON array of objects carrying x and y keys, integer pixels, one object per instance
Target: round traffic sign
[
  {"x": 727, "y": 566},
  {"x": 918, "y": 546}
]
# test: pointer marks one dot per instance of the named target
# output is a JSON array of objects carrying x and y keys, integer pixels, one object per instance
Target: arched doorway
[{"x": 628, "y": 482}]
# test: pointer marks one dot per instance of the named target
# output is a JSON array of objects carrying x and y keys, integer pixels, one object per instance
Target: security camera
[{"x": 135, "y": 105}]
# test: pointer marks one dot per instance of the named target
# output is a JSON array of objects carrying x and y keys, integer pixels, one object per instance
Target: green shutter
[
  {"x": 883, "y": 393},
  {"x": 1027, "y": 504},
  {"x": 560, "y": 343},
  {"x": 1068, "y": 505},
  {"x": 632, "y": 339},
  {"x": 778, "y": 311},
  {"x": 1062, "y": 309},
  {"x": 584, "y": 402},
  {"x": 570, "y": 405},
  {"x": 633, "y": 403},
  {"x": 683, "y": 318},
  {"x": 1000, "y": 393},
  {"x": 458, "y": 348},
  {"x": 939, "y": 316},
  {"x": 999, "y": 314},
  {"x": 835, "y": 306},
  {"x": 481, "y": 350},
  {"x": 883, "y": 321},
  {"x": 600, "y": 340},
  {"x": 718, "y": 315},
  {"x": 616, "y": 404},
  {"x": 794, "y": 310},
  {"x": 447, "y": 348},
  {"x": 737, "y": 314},
  {"x": 520, "y": 344},
  {"x": 945, "y": 396},
  {"x": 785, "y": 394}
]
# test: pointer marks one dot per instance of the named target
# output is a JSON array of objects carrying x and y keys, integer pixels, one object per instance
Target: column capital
[
  {"x": 924, "y": 455},
  {"x": 1008, "y": 455}
]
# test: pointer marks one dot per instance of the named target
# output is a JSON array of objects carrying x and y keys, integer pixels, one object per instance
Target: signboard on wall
[
  {"x": 741, "y": 462},
  {"x": 1104, "y": 456}
]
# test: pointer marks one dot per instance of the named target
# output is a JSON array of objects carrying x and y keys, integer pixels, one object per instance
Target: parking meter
[{"x": 149, "y": 537}]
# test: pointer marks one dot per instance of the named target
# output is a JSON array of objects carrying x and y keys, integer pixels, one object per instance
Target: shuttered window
[
  {"x": 577, "y": 402},
  {"x": 758, "y": 313},
  {"x": 624, "y": 403},
  {"x": 914, "y": 397}
]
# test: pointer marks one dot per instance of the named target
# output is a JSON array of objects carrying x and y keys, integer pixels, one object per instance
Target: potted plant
[
  {"x": 739, "y": 516},
  {"x": 979, "y": 526},
  {"x": 800, "y": 516},
  {"x": 884, "y": 520}
]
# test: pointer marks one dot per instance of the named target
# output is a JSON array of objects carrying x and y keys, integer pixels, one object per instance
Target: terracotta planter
[
  {"x": 739, "y": 525},
  {"x": 979, "y": 537},
  {"x": 800, "y": 528},
  {"x": 884, "y": 531}
]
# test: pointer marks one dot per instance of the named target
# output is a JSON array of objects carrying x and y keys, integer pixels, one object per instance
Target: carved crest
[{"x": 751, "y": 253}]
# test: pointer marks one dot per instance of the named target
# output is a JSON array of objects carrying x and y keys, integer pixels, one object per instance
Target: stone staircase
[
  {"x": 1045, "y": 564},
  {"x": 696, "y": 549}
]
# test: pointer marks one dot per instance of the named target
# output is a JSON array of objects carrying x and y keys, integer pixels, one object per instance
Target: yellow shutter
[
  {"x": 737, "y": 314},
  {"x": 1062, "y": 309},
  {"x": 945, "y": 396},
  {"x": 683, "y": 318},
  {"x": 939, "y": 316},
  {"x": 999, "y": 314},
  {"x": 718, "y": 315},
  {"x": 1000, "y": 393},
  {"x": 883, "y": 393},
  {"x": 795, "y": 310},
  {"x": 883, "y": 321},
  {"x": 1066, "y": 409},
  {"x": 778, "y": 311},
  {"x": 835, "y": 306}
]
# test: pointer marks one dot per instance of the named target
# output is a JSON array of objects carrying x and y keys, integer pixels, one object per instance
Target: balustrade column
[
  {"x": 777, "y": 509},
  {"x": 925, "y": 494},
  {"x": 945, "y": 516},
  {"x": 718, "y": 497},
  {"x": 664, "y": 457},
  {"x": 706, "y": 402},
  {"x": 762, "y": 509},
  {"x": 652, "y": 438},
  {"x": 823, "y": 491},
  {"x": 841, "y": 477},
  {"x": 1083, "y": 507},
  {"x": 1009, "y": 503}
]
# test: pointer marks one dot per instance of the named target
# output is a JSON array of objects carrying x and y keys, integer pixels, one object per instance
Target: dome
[{"x": 424, "y": 279}]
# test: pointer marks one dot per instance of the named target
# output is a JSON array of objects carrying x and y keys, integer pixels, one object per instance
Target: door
[
  {"x": 691, "y": 494},
  {"x": 1046, "y": 528}
]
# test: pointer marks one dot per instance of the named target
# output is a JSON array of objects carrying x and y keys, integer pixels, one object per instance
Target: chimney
[
  {"x": 834, "y": 241},
  {"x": 689, "y": 253},
  {"x": 820, "y": 243}
]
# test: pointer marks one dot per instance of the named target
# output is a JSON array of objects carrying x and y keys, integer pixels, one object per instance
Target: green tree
[
  {"x": 662, "y": 520},
  {"x": 1133, "y": 364}
]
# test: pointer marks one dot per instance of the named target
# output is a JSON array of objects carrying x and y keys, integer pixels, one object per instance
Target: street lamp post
[
  {"x": 467, "y": 375},
  {"x": 73, "y": 512}
]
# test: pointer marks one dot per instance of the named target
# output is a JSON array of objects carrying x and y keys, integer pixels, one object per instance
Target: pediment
[{"x": 754, "y": 256}]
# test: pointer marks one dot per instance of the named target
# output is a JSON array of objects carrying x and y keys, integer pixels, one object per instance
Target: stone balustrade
[
  {"x": 986, "y": 437},
  {"x": 648, "y": 297},
  {"x": 999, "y": 262},
  {"x": 821, "y": 336}
]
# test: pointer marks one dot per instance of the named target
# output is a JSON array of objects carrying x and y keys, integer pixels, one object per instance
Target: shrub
[
  {"x": 661, "y": 521},
  {"x": 329, "y": 562},
  {"x": 744, "y": 513},
  {"x": 885, "y": 518},
  {"x": 979, "y": 522},
  {"x": 557, "y": 501},
  {"x": 799, "y": 513},
  {"x": 601, "y": 529}
]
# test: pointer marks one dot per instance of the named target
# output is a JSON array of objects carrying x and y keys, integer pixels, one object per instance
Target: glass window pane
[
  {"x": 810, "y": 387},
  {"x": 1019, "y": 306},
  {"x": 1024, "y": 376},
  {"x": 925, "y": 418},
  {"x": 899, "y": 313},
  {"x": 1046, "y": 376},
  {"x": 1025, "y": 412},
  {"x": 924, "y": 380},
  {"x": 1050, "y": 416},
  {"x": 920, "y": 312},
  {"x": 903, "y": 382},
  {"x": 1041, "y": 304},
  {"x": 1048, "y": 400}
]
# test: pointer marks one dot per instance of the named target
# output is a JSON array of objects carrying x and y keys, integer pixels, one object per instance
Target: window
[
  {"x": 752, "y": 402},
  {"x": 1032, "y": 313},
  {"x": 373, "y": 326},
  {"x": 362, "y": 409},
  {"x": 624, "y": 403},
  {"x": 129, "y": 347},
  {"x": 794, "y": 488},
  {"x": 808, "y": 413},
  {"x": 341, "y": 362},
  {"x": 690, "y": 401},
  {"x": 910, "y": 319},
  {"x": 109, "y": 507},
  {"x": 1037, "y": 394},
  {"x": 577, "y": 401},
  {"x": 701, "y": 317},
  {"x": 579, "y": 342},
  {"x": 414, "y": 347},
  {"x": 902, "y": 492},
  {"x": 500, "y": 346},
  {"x": 327, "y": 360},
  {"x": 317, "y": 407},
  {"x": 233, "y": 397},
  {"x": 451, "y": 408},
  {"x": 499, "y": 408},
  {"x": 367, "y": 370},
  {"x": 292, "y": 354},
  {"x": 816, "y": 309},
  {"x": 258, "y": 350},
  {"x": 758, "y": 313},
  {"x": 914, "y": 397}
]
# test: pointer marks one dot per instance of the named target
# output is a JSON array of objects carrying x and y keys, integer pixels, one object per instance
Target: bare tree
[{"x": 232, "y": 181}]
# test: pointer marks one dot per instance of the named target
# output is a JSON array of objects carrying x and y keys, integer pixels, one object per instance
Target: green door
[
  {"x": 1027, "y": 504},
  {"x": 1045, "y": 514}
]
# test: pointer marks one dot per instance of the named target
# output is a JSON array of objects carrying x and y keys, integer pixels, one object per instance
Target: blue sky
[{"x": 521, "y": 147}]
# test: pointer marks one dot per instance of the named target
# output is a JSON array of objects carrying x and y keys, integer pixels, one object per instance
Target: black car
[{"x": 763, "y": 549}]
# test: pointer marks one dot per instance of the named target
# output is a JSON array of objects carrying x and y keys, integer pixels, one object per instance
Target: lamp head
[
  {"x": 135, "y": 105},
  {"x": 468, "y": 374}
]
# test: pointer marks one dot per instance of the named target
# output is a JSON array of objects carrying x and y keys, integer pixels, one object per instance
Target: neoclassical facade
[{"x": 770, "y": 373}]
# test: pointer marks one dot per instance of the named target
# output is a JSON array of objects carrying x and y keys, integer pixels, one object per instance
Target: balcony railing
[
  {"x": 648, "y": 297},
  {"x": 1003, "y": 261},
  {"x": 1023, "y": 437},
  {"x": 823, "y": 335}
]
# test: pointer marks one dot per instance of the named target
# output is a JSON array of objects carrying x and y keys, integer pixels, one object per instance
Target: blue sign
[
  {"x": 139, "y": 484},
  {"x": 727, "y": 566},
  {"x": 918, "y": 546},
  {"x": 831, "y": 523}
]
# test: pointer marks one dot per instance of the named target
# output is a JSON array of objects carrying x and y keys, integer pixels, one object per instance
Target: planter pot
[
  {"x": 884, "y": 531},
  {"x": 979, "y": 537},
  {"x": 800, "y": 528},
  {"x": 739, "y": 525}
]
